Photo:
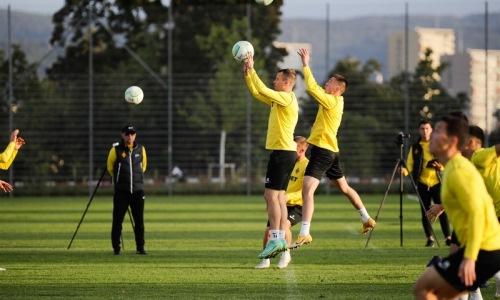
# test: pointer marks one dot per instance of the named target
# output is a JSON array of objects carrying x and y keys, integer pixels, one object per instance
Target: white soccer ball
[
  {"x": 241, "y": 49},
  {"x": 264, "y": 2},
  {"x": 134, "y": 95}
]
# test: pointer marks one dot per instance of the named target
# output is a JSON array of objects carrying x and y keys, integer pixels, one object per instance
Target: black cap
[{"x": 129, "y": 128}]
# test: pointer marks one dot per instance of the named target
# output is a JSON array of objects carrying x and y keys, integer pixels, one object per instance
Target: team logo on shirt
[{"x": 124, "y": 154}]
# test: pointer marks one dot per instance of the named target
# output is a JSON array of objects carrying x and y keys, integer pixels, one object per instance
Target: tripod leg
[
  {"x": 87, "y": 208},
  {"x": 396, "y": 167},
  {"x": 131, "y": 219},
  {"x": 414, "y": 184}
]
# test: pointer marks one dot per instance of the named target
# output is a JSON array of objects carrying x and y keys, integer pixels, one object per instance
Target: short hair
[
  {"x": 460, "y": 114},
  {"x": 457, "y": 125},
  {"x": 477, "y": 132},
  {"x": 423, "y": 122},
  {"x": 289, "y": 74},
  {"x": 341, "y": 78},
  {"x": 300, "y": 139}
]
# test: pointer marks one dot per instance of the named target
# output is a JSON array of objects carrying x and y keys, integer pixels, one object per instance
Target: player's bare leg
[{"x": 308, "y": 188}]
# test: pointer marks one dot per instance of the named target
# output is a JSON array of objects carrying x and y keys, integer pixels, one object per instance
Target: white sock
[
  {"x": 463, "y": 297},
  {"x": 274, "y": 234},
  {"x": 476, "y": 294},
  {"x": 281, "y": 234},
  {"x": 364, "y": 215},
  {"x": 304, "y": 229}
]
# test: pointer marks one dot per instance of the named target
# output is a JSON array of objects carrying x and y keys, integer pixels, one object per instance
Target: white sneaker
[
  {"x": 476, "y": 295},
  {"x": 264, "y": 264},
  {"x": 285, "y": 259}
]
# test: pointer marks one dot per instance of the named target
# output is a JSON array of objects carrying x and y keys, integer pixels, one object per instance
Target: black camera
[{"x": 402, "y": 137}]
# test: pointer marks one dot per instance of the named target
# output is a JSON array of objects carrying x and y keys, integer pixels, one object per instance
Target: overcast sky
[{"x": 339, "y": 9}]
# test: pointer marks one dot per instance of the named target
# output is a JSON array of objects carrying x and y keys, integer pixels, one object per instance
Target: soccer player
[
  {"x": 283, "y": 118},
  {"x": 424, "y": 169},
  {"x": 471, "y": 212},
  {"x": 324, "y": 149},
  {"x": 8, "y": 156},
  {"x": 293, "y": 204}
]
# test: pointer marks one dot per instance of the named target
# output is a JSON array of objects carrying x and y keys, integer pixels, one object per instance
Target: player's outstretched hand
[
  {"x": 13, "y": 135},
  {"x": 304, "y": 56},
  {"x": 434, "y": 212},
  {"x": 19, "y": 143},
  {"x": 248, "y": 64},
  {"x": 5, "y": 186},
  {"x": 467, "y": 271}
]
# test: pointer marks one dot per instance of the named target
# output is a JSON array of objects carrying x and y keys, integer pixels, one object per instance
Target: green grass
[{"x": 205, "y": 247}]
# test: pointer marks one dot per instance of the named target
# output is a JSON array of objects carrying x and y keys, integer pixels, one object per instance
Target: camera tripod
[
  {"x": 87, "y": 208},
  {"x": 400, "y": 164}
]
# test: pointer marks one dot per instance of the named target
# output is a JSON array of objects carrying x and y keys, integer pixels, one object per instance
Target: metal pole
[
  {"x": 327, "y": 45},
  {"x": 486, "y": 100},
  {"x": 91, "y": 99},
  {"x": 249, "y": 116},
  {"x": 170, "y": 28},
  {"x": 11, "y": 90},
  {"x": 406, "y": 89}
]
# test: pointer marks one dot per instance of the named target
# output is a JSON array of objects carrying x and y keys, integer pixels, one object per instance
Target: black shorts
[
  {"x": 323, "y": 161},
  {"x": 279, "y": 168},
  {"x": 294, "y": 214},
  {"x": 487, "y": 264}
]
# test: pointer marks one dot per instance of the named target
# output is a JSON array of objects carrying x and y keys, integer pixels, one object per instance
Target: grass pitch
[{"x": 205, "y": 247}]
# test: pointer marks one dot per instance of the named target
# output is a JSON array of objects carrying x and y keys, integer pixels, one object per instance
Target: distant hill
[
  {"x": 363, "y": 37},
  {"x": 32, "y": 31},
  {"x": 366, "y": 37}
]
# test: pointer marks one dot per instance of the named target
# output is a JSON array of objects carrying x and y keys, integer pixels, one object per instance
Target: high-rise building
[
  {"x": 440, "y": 40},
  {"x": 466, "y": 74}
]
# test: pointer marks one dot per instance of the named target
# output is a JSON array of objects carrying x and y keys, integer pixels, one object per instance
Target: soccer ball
[
  {"x": 265, "y": 2},
  {"x": 134, "y": 95},
  {"x": 241, "y": 50}
]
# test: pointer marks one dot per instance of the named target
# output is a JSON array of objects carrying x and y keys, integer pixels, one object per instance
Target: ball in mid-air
[
  {"x": 134, "y": 95},
  {"x": 241, "y": 50},
  {"x": 264, "y": 2}
]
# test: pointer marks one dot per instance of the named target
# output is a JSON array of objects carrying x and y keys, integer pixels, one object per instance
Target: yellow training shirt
[
  {"x": 8, "y": 155},
  {"x": 427, "y": 176},
  {"x": 294, "y": 190},
  {"x": 469, "y": 207},
  {"x": 486, "y": 162},
  {"x": 112, "y": 159},
  {"x": 282, "y": 117},
  {"x": 329, "y": 116}
]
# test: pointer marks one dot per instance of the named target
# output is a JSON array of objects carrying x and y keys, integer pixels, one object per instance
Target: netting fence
[{"x": 217, "y": 131}]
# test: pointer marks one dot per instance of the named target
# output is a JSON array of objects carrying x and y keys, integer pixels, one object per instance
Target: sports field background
[{"x": 205, "y": 247}]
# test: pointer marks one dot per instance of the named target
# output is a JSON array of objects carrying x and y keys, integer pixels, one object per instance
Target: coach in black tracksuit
[
  {"x": 424, "y": 169},
  {"x": 126, "y": 164}
]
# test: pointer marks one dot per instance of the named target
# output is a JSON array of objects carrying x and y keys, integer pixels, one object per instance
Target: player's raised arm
[
  {"x": 317, "y": 92},
  {"x": 247, "y": 67}
]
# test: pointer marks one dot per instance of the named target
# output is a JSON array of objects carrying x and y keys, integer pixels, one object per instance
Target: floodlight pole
[
  {"x": 327, "y": 38},
  {"x": 91, "y": 99},
  {"x": 407, "y": 72},
  {"x": 11, "y": 91},
  {"x": 249, "y": 115},
  {"x": 170, "y": 28},
  {"x": 486, "y": 114}
]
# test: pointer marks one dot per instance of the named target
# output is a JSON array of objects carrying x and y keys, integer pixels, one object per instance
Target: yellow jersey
[
  {"x": 486, "y": 162},
  {"x": 283, "y": 116},
  {"x": 325, "y": 127},
  {"x": 469, "y": 207},
  {"x": 294, "y": 190},
  {"x": 110, "y": 163},
  {"x": 8, "y": 155},
  {"x": 428, "y": 176}
]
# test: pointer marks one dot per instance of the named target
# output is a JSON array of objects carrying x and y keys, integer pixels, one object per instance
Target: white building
[
  {"x": 440, "y": 40},
  {"x": 292, "y": 61},
  {"x": 466, "y": 74}
]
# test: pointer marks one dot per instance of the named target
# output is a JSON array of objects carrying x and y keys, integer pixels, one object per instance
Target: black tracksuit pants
[
  {"x": 432, "y": 194},
  {"x": 121, "y": 202}
]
